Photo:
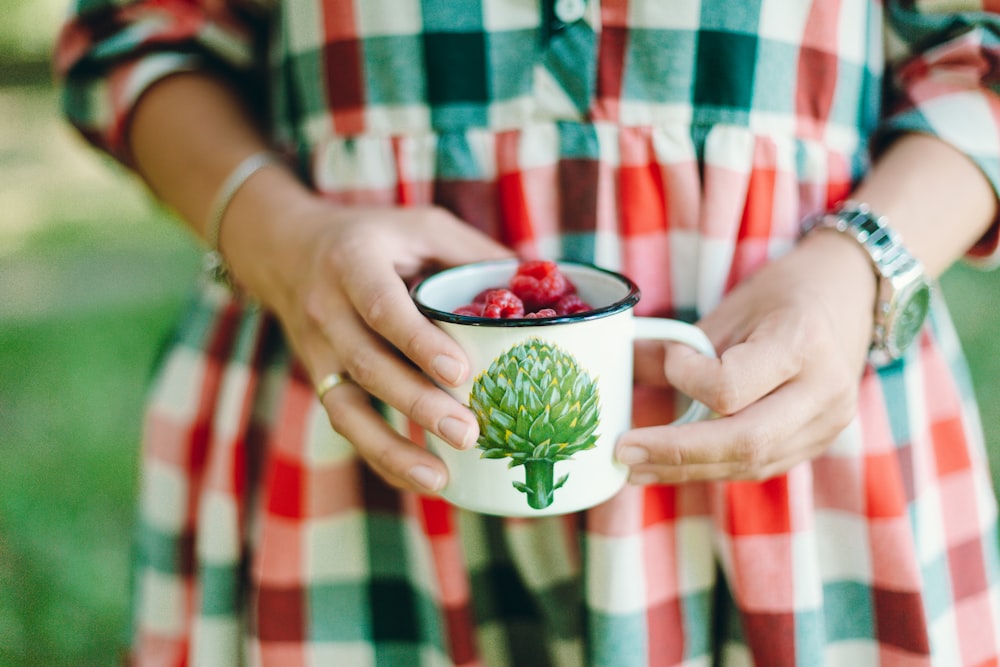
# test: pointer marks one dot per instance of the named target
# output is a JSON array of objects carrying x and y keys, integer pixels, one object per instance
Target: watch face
[{"x": 910, "y": 319}]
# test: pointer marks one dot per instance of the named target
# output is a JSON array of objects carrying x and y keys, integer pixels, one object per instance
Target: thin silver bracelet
[{"x": 214, "y": 263}]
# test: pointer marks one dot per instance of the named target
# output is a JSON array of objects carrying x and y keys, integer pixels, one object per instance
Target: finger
[
  {"x": 642, "y": 475},
  {"x": 449, "y": 241},
  {"x": 397, "y": 460},
  {"x": 743, "y": 373},
  {"x": 775, "y": 433},
  {"x": 383, "y": 302},
  {"x": 379, "y": 370}
]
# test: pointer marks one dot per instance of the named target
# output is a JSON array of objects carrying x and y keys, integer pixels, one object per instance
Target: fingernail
[
  {"x": 630, "y": 456},
  {"x": 426, "y": 477},
  {"x": 643, "y": 479},
  {"x": 448, "y": 368},
  {"x": 456, "y": 431}
]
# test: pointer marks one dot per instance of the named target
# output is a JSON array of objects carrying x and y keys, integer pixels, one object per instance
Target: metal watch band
[{"x": 895, "y": 268}]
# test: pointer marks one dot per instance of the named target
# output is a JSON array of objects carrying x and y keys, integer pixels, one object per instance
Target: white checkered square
[
  {"x": 388, "y": 17},
  {"x": 323, "y": 445},
  {"x": 963, "y": 119},
  {"x": 218, "y": 521},
  {"x": 216, "y": 640},
  {"x": 681, "y": 15},
  {"x": 335, "y": 549},
  {"x": 854, "y": 39},
  {"x": 833, "y": 530},
  {"x": 172, "y": 394},
  {"x": 784, "y": 21},
  {"x": 694, "y": 538},
  {"x": 162, "y": 600},
  {"x": 303, "y": 30},
  {"x": 614, "y": 574},
  {"x": 501, "y": 15},
  {"x": 363, "y": 163},
  {"x": 164, "y": 496},
  {"x": 398, "y": 118}
]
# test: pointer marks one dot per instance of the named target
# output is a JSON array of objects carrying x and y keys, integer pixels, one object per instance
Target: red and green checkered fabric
[{"x": 680, "y": 142}]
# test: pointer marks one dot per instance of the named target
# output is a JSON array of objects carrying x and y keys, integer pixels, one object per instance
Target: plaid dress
[{"x": 678, "y": 141}]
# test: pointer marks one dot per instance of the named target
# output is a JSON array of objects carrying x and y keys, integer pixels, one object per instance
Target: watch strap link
[{"x": 895, "y": 268}]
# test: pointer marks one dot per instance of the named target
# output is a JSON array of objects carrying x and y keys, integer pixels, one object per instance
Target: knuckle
[
  {"x": 314, "y": 306},
  {"x": 668, "y": 457},
  {"x": 726, "y": 397},
  {"x": 362, "y": 366},
  {"x": 378, "y": 309},
  {"x": 416, "y": 342},
  {"x": 845, "y": 410},
  {"x": 339, "y": 413},
  {"x": 750, "y": 450},
  {"x": 422, "y": 409},
  {"x": 393, "y": 462}
]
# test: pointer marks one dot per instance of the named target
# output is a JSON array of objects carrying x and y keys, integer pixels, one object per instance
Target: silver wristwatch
[{"x": 903, "y": 297}]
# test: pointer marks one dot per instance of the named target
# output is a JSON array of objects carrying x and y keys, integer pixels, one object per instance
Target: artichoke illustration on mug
[
  {"x": 551, "y": 389},
  {"x": 536, "y": 406}
]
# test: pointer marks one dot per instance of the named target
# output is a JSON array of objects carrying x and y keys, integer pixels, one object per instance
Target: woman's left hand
[{"x": 792, "y": 341}]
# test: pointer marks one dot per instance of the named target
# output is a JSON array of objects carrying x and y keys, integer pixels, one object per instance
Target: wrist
[
  {"x": 834, "y": 271},
  {"x": 260, "y": 243},
  {"x": 842, "y": 270},
  {"x": 902, "y": 289}
]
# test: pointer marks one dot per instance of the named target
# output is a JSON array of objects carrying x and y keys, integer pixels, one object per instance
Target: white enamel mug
[{"x": 551, "y": 395}]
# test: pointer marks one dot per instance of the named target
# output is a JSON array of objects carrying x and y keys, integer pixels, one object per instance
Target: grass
[
  {"x": 91, "y": 277},
  {"x": 71, "y": 423}
]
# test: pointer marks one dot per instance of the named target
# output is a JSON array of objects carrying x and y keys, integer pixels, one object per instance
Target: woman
[{"x": 836, "y": 512}]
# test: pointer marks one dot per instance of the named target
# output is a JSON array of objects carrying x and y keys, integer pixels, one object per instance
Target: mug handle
[{"x": 654, "y": 328}]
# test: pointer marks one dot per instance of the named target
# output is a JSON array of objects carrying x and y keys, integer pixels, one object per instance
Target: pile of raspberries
[{"x": 537, "y": 289}]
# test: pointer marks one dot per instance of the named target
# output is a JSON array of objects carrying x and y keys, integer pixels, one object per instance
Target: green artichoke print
[{"x": 535, "y": 405}]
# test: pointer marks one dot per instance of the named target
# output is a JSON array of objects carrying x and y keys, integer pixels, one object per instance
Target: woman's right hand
[
  {"x": 338, "y": 284},
  {"x": 334, "y": 276}
]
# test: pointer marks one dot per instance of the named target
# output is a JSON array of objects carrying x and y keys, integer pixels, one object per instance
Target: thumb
[{"x": 453, "y": 242}]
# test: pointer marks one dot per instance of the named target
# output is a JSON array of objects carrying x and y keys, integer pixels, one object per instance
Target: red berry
[
  {"x": 473, "y": 309},
  {"x": 571, "y": 304},
  {"x": 502, "y": 304},
  {"x": 537, "y": 268},
  {"x": 539, "y": 285}
]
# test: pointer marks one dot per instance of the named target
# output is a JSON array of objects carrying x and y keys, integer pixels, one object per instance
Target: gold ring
[{"x": 329, "y": 382}]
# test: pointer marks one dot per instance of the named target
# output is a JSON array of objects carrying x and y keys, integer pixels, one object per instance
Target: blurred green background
[{"x": 92, "y": 275}]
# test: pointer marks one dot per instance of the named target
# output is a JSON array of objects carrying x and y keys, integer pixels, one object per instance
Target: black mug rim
[{"x": 625, "y": 303}]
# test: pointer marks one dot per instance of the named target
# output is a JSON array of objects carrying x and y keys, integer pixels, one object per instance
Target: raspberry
[
  {"x": 570, "y": 304},
  {"x": 537, "y": 288},
  {"x": 544, "y": 312},
  {"x": 502, "y": 304},
  {"x": 539, "y": 284},
  {"x": 473, "y": 309}
]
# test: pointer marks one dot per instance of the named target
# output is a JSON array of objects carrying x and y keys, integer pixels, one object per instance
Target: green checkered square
[
  {"x": 847, "y": 610},
  {"x": 729, "y": 16},
  {"x": 452, "y": 15},
  {"x": 659, "y": 66},
  {"x": 511, "y": 56},
  {"x": 775, "y": 76},
  {"x": 726, "y": 63},
  {"x": 394, "y": 73}
]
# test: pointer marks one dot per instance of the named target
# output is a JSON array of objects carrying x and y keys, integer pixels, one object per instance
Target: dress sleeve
[
  {"x": 109, "y": 52},
  {"x": 944, "y": 69}
]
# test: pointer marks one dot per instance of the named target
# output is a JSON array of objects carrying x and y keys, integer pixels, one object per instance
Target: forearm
[
  {"x": 935, "y": 197},
  {"x": 188, "y": 133}
]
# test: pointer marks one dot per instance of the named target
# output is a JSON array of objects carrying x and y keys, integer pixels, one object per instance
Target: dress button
[{"x": 569, "y": 11}]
